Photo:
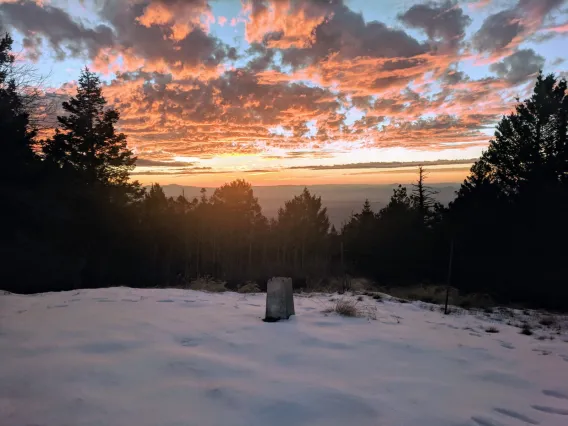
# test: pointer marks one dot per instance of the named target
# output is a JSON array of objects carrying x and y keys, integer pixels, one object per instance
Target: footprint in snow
[
  {"x": 189, "y": 342},
  {"x": 57, "y": 306},
  {"x": 128, "y": 300},
  {"x": 564, "y": 357},
  {"x": 165, "y": 301},
  {"x": 551, "y": 410},
  {"x": 506, "y": 345},
  {"x": 555, "y": 394},
  {"x": 486, "y": 421},
  {"x": 515, "y": 415}
]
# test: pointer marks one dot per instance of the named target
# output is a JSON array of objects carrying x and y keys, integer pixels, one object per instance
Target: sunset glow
[{"x": 297, "y": 91}]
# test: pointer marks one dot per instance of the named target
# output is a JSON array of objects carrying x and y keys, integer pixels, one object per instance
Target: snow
[{"x": 126, "y": 357}]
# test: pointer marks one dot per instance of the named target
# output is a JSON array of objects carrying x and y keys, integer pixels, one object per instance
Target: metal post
[{"x": 449, "y": 276}]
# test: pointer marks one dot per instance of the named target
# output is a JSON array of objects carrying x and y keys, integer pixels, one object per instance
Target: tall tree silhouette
[
  {"x": 238, "y": 222},
  {"x": 517, "y": 195},
  {"x": 302, "y": 225},
  {"x": 17, "y": 136},
  {"x": 87, "y": 141},
  {"x": 422, "y": 196},
  {"x": 359, "y": 235},
  {"x": 531, "y": 144}
]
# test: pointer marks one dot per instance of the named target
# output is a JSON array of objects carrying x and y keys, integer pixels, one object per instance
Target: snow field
[{"x": 125, "y": 357}]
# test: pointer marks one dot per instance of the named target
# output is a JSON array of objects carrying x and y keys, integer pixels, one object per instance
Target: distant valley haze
[{"x": 341, "y": 200}]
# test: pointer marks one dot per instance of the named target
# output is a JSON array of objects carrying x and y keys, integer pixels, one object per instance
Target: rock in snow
[{"x": 124, "y": 357}]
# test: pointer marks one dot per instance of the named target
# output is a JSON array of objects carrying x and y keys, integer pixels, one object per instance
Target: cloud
[
  {"x": 180, "y": 171},
  {"x": 519, "y": 67},
  {"x": 144, "y": 162},
  {"x": 342, "y": 50},
  {"x": 346, "y": 36},
  {"x": 165, "y": 36},
  {"x": 285, "y": 24},
  {"x": 478, "y": 4},
  {"x": 559, "y": 29},
  {"x": 508, "y": 28},
  {"x": 64, "y": 34},
  {"x": 313, "y": 79},
  {"x": 232, "y": 112},
  {"x": 160, "y": 35},
  {"x": 498, "y": 31},
  {"x": 389, "y": 165},
  {"x": 443, "y": 23},
  {"x": 239, "y": 111}
]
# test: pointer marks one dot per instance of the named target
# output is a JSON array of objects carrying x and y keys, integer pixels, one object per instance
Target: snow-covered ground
[{"x": 130, "y": 357}]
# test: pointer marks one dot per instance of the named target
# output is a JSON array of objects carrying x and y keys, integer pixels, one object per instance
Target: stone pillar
[{"x": 279, "y": 299}]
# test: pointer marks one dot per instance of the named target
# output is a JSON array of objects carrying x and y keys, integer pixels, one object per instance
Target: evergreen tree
[
  {"x": 303, "y": 227},
  {"x": 238, "y": 222},
  {"x": 517, "y": 196},
  {"x": 17, "y": 137},
  {"x": 238, "y": 203},
  {"x": 34, "y": 244},
  {"x": 531, "y": 144},
  {"x": 360, "y": 243},
  {"x": 422, "y": 197},
  {"x": 304, "y": 216},
  {"x": 399, "y": 203},
  {"x": 155, "y": 202},
  {"x": 87, "y": 141}
]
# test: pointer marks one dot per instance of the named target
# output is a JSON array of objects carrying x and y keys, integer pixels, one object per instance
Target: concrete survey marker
[{"x": 279, "y": 299}]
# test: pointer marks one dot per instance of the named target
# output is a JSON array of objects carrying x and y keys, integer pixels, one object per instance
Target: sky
[{"x": 297, "y": 91}]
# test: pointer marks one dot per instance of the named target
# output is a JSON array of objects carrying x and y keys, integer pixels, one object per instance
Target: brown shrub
[{"x": 208, "y": 284}]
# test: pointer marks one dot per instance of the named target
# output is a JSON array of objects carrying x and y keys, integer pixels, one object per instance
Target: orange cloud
[
  {"x": 290, "y": 20},
  {"x": 559, "y": 28},
  {"x": 317, "y": 79}
]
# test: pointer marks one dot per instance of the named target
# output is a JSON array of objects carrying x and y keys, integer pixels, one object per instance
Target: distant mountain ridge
[{"x": 341, "y": 200}]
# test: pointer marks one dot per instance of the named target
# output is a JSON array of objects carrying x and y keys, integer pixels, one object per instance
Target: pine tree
[
  {"x": 304, "y": 215},
  {"x": 155, "y": 202},
  {"x": 303, "y": 225},
  {"x": 422, "y": 196},
  {"x": 367, "y": 212},
  {"x": 517, "y": 196},
  {"x": 531, "y": 144},
  {"x": 237, "y": 221},
  {"x": 17, "y": 137},
  {"x": 87, "y": 142}
]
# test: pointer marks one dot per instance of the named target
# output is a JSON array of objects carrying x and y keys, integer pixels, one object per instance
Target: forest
[{"x": 74, "y": 218}]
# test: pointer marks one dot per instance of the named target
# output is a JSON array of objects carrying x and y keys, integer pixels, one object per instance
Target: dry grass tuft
[
  {"x": 249, "y": 287},
  {"x": 492, "y": 330},
  {"x": 348, "y": 307},
  {"x": 526, "y": 330},
  {"x": 436, "y": 294},
  {"x": 338, "y": 285},
  {"x": 547, "y": 321},
  {"x": 208, "y": 284},
  {"x": 343, "y": 307}
]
